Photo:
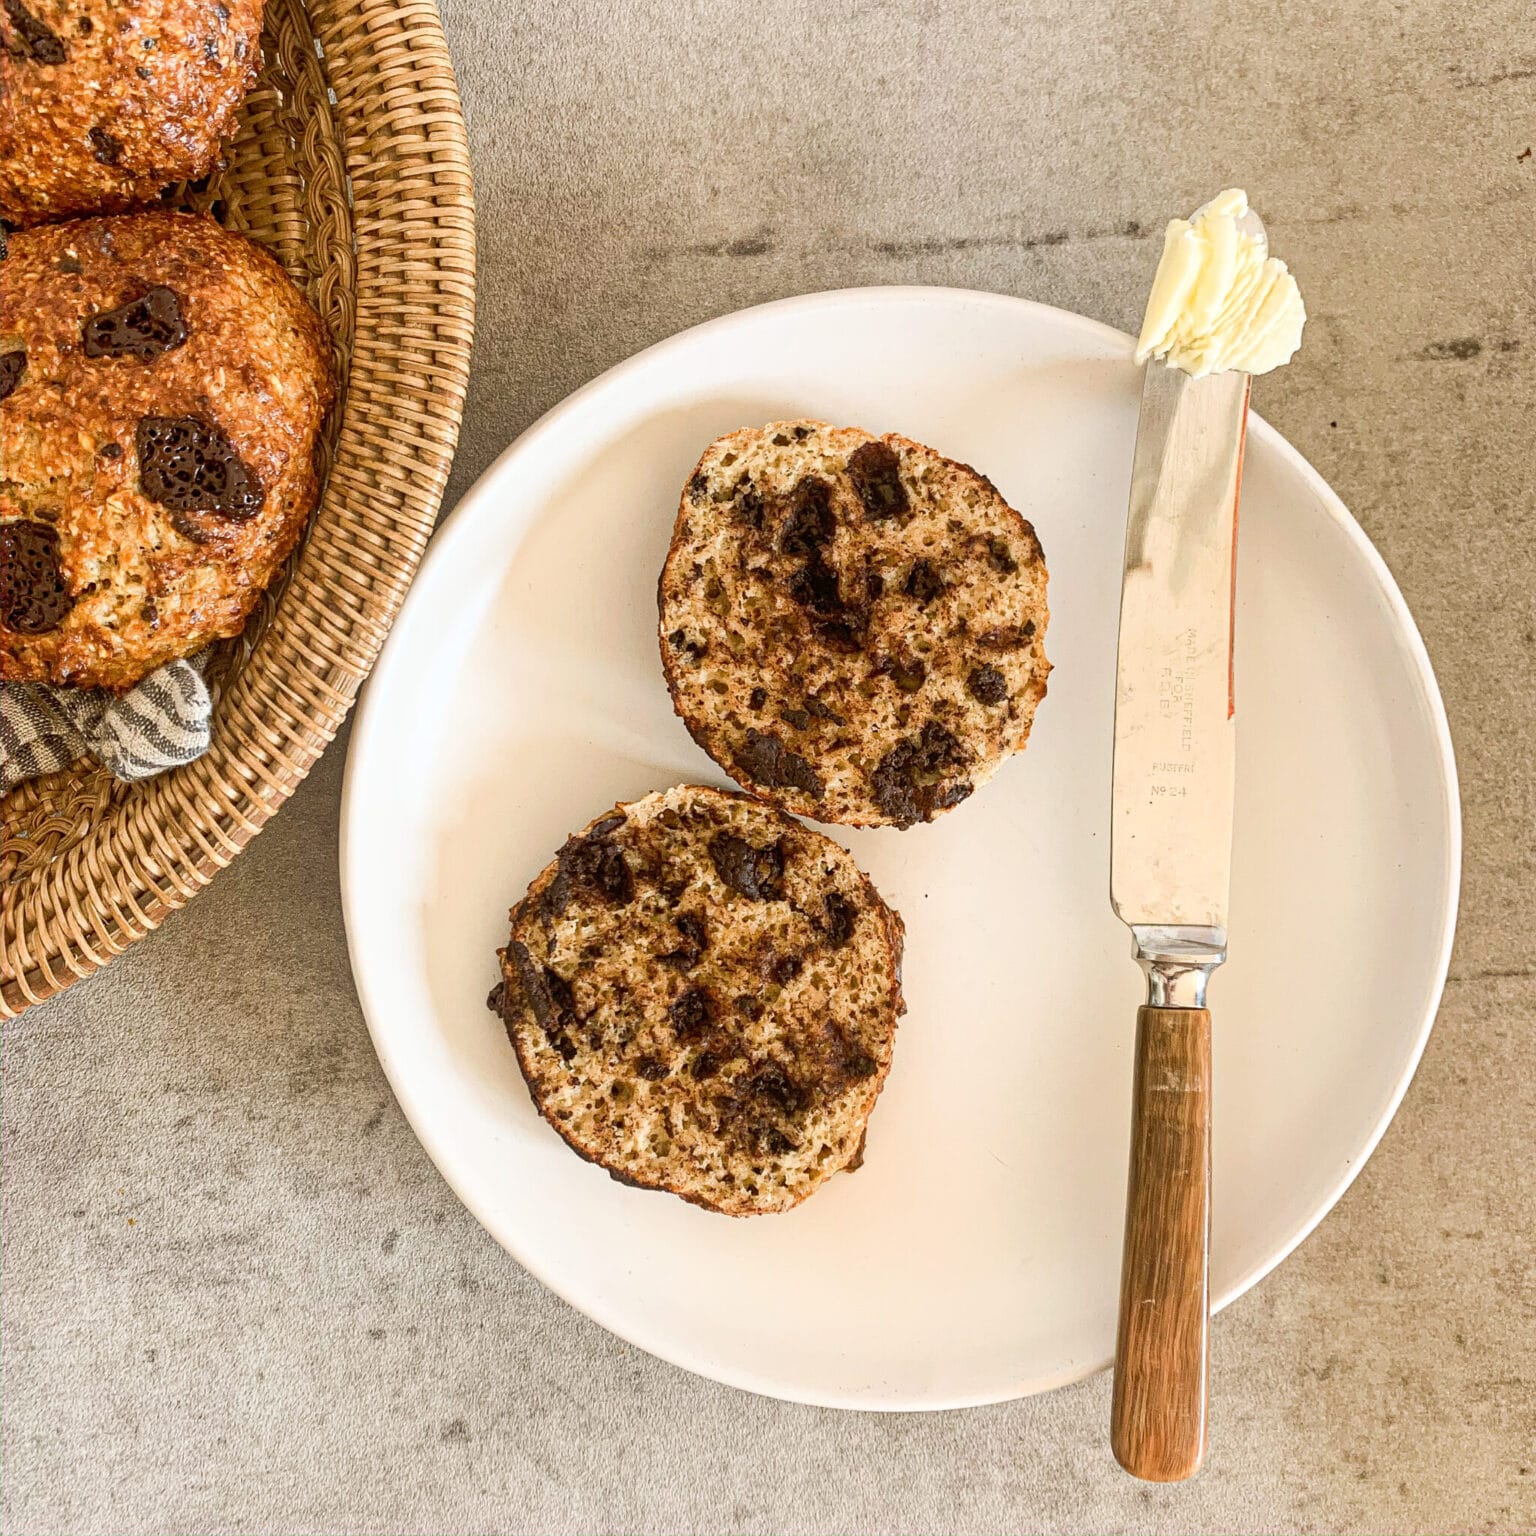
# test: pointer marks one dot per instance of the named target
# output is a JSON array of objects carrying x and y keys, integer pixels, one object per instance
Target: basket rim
[{"x": 410, "y": 203}]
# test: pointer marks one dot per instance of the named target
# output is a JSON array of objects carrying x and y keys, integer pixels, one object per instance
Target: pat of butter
[{"x": 1220, "y": 301}]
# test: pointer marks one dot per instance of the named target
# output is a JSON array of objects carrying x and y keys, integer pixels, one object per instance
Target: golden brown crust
[
  {"x": 106, "y": 103},
  {"x": 149, "y": 574},
  {"x": 723, "y": 1042}
]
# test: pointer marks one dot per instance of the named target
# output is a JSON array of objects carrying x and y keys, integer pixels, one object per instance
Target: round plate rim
[{"x": 554, "y": 422}]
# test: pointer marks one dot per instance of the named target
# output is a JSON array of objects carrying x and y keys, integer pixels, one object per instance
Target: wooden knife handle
[{"x": 1162, "y": 1351}]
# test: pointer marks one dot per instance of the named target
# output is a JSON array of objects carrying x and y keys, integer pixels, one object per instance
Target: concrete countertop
[{"x": 237, "y": 1297}]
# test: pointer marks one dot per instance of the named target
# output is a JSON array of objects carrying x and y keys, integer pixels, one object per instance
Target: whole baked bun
[
  {"x": 162, "y": 390},
  {"x": 852, "y": 626},
  {"x": 702, "y": 995},
  {"x": 104, "y": 103}
]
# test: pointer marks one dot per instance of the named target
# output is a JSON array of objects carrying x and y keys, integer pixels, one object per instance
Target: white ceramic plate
[{"x": 976, "y": 1255}]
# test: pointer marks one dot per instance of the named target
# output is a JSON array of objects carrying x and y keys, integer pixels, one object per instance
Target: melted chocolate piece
[
  {"x": 12, "y": 366},
  {"x": 764, "y": 758},
  {"x": 37, "y": 41},
  {"x": 549, "y": 996},
  {"x": 692, "y": 1014},
  {"x": 841, "y": 915},
  {"x": 809, "y": 524},
  {"x": 1008, "y": 637},
  {"x": 773, "y": 1085},
  {"x": 107, "y": 149},
  {"x": 33, "y": 595},
  {"x": 188, "y": 465},
  {"x": 695, "y": 940},
  {"x": 143, "y": 327},
  {"x": 875, "y": 471},
  {"x": 756, "y": 873},
  {"x": 807, "y": 529},
  {"x": 987, "y": 685},
  {"x": 923, "y": 582},
  {"x": 907, "y": 781},
  {"x": 593, "y": 864}
]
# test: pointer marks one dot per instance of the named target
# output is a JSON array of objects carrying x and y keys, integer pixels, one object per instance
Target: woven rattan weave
[{"x": 351, "y": 166}]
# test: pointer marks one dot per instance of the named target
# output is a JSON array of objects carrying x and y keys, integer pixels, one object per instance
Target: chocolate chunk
[
  {"x": 748, "y": 504},
  {"x": 651, "y": 1069},
  {"x": 874, "y": 585},
  {"x": 33, "y": 594},
  {"x": 841, "y": 916},
  {"x": 111, "y": 450},
  {"x": 187, "y": 464},
  {"x": 860, "y": 1064},
  {"x": 908, "y": 675},
  {"x": 814, "y": 706},
  {"x": 756, "y": 873},
  {"x": 809, "y": 524},
  {"x": 692, "y": 1014},
  {"x": 757, "y": 698},
  {"x": 555, "y": 1021},
  {"x": 907, "y": 781},
  {"x": 784, "y": 968},
  {"x": 875, "y": 471},
  {"x": 496, "y": 997},
  {"x": 107, "y": 149},
  {"x": 12, "y": 366},
  {"x": 799, "y": 718},
  {"x": 1008, "y": 637},
  {"x": 844, "y": 633},
  {"x": 706, "y": 1064},
  {"x": 775, "y": 1086},
  {"x": 36, "y": 40},
  {"x": 143, "y": 327},
  {"x": 764, "y": 758},
  {"x": 814, "y": 586},
  {"x": 923, "y": 582},
  {"x": 695, "y": 940},
  {"x": 560, "y": 992},
  {"x": 594, "y": 864},
  {"x": 987, "y": 685},
  {"x": 1001, "y": 556},
  {"x": 607, "y": 825}
]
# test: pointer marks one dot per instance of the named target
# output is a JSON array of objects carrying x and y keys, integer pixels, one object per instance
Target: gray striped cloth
[{"x": 159, "y": 724}]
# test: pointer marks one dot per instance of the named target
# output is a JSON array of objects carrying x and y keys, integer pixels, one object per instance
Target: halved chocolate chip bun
[
  {"x": 162, "y": 389},
  {"x": 853, "y": 627},
  {"x": 702, "y": 995}
]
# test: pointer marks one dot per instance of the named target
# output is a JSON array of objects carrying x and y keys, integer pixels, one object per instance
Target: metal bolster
[{"x": 1178, "y": 962}]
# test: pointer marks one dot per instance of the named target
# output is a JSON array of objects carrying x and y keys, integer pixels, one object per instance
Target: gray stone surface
[{"x": 238, "y": 1298}]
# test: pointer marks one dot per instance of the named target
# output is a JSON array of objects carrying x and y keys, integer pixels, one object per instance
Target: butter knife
[{"x": 1170, "y": 862}]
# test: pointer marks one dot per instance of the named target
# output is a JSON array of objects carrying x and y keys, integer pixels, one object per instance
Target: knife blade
[
  {"x": 1170, "y": 869},
  {"x": 1171, "y": 826}
]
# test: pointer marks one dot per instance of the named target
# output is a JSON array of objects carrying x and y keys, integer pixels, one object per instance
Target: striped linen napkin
[{"x": 158, "y": 724}]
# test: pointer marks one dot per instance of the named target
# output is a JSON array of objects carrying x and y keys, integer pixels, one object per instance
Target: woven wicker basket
[{"x": 351, "y": 166}]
